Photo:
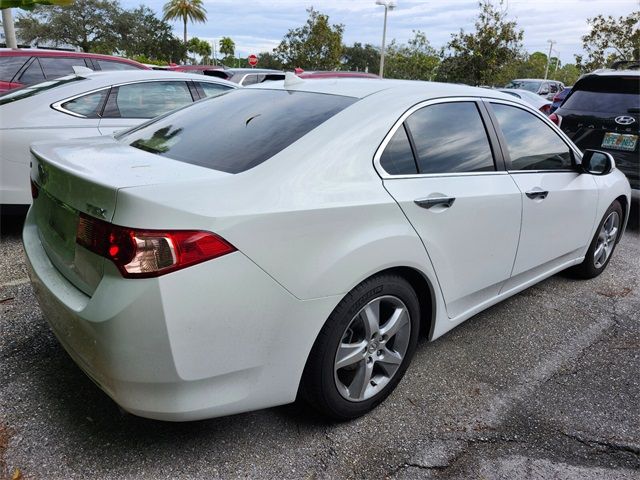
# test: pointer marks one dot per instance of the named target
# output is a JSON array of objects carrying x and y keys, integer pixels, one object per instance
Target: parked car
[
  {"x": 545, "y": 88},
  {"x": 250, "y": 76},
  {"x": 334, "y": 74},
  {"x": 22, "y": 67},
  {"x": 533, "y": 99},
  {"x": 262, "y": 245},
  {"x": 559, "y": 98},
  {"x": 82, "y": 106},
  {"x": 209, "y": 70},
  {"x": 603, "y": 111}
]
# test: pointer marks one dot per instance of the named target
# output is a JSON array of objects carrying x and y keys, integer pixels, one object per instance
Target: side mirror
[{"x": 596, "y": 162}]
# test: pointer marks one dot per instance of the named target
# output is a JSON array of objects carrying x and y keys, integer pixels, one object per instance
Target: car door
[
  {"x": 132, "y": 103},
  {"x": 558, "y": 202},
  {"x": 439, "y": 165}
]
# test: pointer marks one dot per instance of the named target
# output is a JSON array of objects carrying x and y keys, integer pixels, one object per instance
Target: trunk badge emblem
[{"x": 624, "y": 120}]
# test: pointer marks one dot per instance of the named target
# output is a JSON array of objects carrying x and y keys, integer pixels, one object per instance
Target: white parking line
[{"x": 13, "y": 283}]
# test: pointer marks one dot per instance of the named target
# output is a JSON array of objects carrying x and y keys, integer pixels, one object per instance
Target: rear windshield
[
  {"x": 524, "y": 85},
  {"x": 605, "y": 94},
  {"x": 237, "y": 130},
  {"x": 31, "y": 90},
  {"x": 9, "y": 66}
]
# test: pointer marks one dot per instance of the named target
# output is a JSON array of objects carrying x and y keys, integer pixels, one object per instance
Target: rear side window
[
  {"x": 213, "y": 89},
  {"x": 532, "y": 144},
  {"x": 614, "y": 94},
  {"x": 111, "y": 65},
  {"x": 55, "y": 67},
  {"x": 238, "y": 130},
  {"x": 9, "y": 66},
  {"x": 397, "y": 158},
  {"x": 450, "y": 138},
  {"x": 88, "y": 105},
  {"x": 147, "y": 99}
]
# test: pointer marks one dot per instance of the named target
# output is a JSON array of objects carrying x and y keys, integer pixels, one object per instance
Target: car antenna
[{"x": 291, "y": 79}]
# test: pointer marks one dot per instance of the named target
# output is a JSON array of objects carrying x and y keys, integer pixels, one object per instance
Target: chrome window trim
[
  {"x": 576, "y": 151},
  {"x": 58, "y": 105},
  {"x": 434, "y": 101}
]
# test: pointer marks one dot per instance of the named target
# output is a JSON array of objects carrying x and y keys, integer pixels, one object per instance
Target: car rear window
[
  {"x": 238, "y": 130},
  {"x": 531, "y": 86},
  {"x": 9, "y": 66},
  {"x": 615, "y": 94}
]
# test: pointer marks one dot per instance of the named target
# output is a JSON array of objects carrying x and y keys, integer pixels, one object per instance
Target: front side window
[
  {"x": 55, "y": 67},
  {"x": 88, "y": 105},
  {"x": 238, "y": 130},
  {"x": 397, "y": 158},
  {"x": 450, "y": 138},
  {"x": 213, "y": 89},
  {"x": 532, "y": 144},
  {"x": 149, "y": 99}
]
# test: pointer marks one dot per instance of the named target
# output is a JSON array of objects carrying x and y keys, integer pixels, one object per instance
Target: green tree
[
  {"x": 610, "y": 40},
  {"x": 185, "y": 10},
  {"x": 199, "y": 47},
  {"x": 269, "y": 60},
  {"x": 90, "y": 24},
  {"x": 568, "y": 74},
  {"x": 7, "y": 16},
  {"x": 142, "y": 34},
  {"x": 316, "y": 45},
  {"x": 415, "y": 61},
  {"x": 478, "y": 57},
  {"x": 227, "y": 47},
  {"x": 361, "y": 58}
]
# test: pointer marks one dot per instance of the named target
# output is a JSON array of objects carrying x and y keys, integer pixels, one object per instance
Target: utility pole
[
  {"x": 546, "y": 70},
  {"x": 388, "y": 5}
]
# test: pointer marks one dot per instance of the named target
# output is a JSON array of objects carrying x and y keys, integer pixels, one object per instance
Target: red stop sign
[{"x": 253, "y": 60}]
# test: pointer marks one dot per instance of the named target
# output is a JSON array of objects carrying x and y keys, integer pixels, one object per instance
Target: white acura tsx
[{"x": 295, "y": 239}]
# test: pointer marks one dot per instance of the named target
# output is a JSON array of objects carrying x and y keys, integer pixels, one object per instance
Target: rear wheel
[
  {"x": 603, "y": 243},
  {"x": 364, "y": 348}
]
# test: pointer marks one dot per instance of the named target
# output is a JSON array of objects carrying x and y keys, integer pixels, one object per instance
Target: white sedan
[
  {"x": 296, "y": 239},
  {"x": 86, "y": 105}
]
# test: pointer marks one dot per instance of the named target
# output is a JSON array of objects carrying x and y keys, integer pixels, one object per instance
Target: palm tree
[{"x": 186, "y": 10}]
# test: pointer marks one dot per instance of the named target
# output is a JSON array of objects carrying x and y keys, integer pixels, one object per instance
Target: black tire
[
  {"x": 588, "y": 268},
  {"x": 318, "y": 386}
]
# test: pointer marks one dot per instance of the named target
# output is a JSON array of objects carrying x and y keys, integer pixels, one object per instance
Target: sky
[{"x": 259, "y": 25}]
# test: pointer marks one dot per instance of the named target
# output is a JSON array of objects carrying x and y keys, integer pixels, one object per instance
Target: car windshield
[
  {"x": 238, "y": 130},
  {"x": 531, "y": 86},
  {"x": 31, "y": 90},
  {"x": 614, "y": 94}
]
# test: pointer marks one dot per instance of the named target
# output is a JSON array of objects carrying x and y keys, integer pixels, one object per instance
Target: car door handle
[
  {"x": 432, "y": 202},
  {"x": 534, "y": 194}
]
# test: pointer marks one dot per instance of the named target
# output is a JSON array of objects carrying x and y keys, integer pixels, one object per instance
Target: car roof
[
  {"x": 363, "y": 87},
  {"x": 606, "y": 72},
  {"x": 41, "y": 52}
]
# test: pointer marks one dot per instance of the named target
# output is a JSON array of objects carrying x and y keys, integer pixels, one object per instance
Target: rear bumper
[{"x": 215, "y": 339}]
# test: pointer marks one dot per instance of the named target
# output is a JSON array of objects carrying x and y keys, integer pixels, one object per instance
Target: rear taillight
[
  {"x": 546, "y": 109},
  {"x": 557, "y": 119},
  {"x": 34, "y": 190},
  {"x": 149, "y": 253},
  {"x": 557, "y": 98}
]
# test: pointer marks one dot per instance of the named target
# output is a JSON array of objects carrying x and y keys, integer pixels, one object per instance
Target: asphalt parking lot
[{"x": 544, "y": 385}]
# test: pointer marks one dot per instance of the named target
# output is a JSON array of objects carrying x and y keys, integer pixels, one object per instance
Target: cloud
[{"x": 259, "y": 25}]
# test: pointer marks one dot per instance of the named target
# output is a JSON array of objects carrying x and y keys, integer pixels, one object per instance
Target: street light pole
[
  {"x": 388, "y": 5},
  {"x": 546, "y": 70}
]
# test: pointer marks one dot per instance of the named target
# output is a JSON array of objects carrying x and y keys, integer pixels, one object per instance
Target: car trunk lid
[{"x": 82, "y": 178}]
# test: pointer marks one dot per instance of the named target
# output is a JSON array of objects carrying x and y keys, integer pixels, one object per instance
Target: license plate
[{"x": 620, "y": 141}]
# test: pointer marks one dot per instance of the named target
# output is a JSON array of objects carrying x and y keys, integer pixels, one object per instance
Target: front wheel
[
  {"x": 603, "y": 243},
  {"x": 364, "y": 348}
]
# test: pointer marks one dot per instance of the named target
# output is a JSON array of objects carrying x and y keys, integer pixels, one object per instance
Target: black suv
[{"x": 602, "y": 112}]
